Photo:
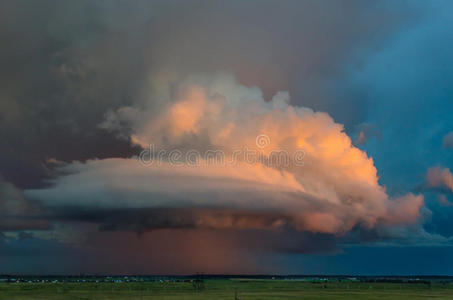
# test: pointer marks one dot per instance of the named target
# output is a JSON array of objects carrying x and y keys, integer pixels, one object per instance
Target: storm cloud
[
  {"x": 362, "y": 87},
  {"x": 66, "y": 64},
  {"x": 334, "y": 190}
]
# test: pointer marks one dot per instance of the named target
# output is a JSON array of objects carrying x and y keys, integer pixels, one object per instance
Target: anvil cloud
[
  {"x": 334, "y": 190},
  {"x": 87, "y": 86}
]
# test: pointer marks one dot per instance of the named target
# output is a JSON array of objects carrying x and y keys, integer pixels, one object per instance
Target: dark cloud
[
  {"x": 66, "y": 64},
  {"x": 16, "y": 213},
  {"x": 56, "y": 84},
  {"x": 257, "y": 230},
  {"x": 266, "y": 232}
]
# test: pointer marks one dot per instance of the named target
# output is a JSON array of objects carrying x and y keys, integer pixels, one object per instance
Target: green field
[{"x": 226, "y": 289}]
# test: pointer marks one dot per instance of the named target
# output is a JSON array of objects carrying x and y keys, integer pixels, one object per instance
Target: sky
[{"x": 226, "y": 137}]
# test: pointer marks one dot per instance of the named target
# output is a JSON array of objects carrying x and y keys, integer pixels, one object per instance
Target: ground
[{"x": 226, "y": 289}]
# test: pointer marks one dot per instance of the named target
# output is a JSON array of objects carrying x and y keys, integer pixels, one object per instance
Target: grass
[{"x": 226, "y": 289}]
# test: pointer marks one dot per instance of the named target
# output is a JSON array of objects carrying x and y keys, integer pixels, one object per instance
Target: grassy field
[{"x": 226, "y": 289}]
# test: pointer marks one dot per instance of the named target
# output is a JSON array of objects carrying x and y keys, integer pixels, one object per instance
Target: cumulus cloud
[
  {"x": 65, "y": 64},
  {"x": 440, "y": 178},
  {"x": 334, "y": 190}
]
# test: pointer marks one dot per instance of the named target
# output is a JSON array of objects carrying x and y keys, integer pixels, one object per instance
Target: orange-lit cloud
[
  {"x": 334, "y": 190},
  {"x": 438, "y": 177}
]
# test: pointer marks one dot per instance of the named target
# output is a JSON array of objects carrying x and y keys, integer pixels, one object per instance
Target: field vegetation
[{"x": 226, "y": 289}]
